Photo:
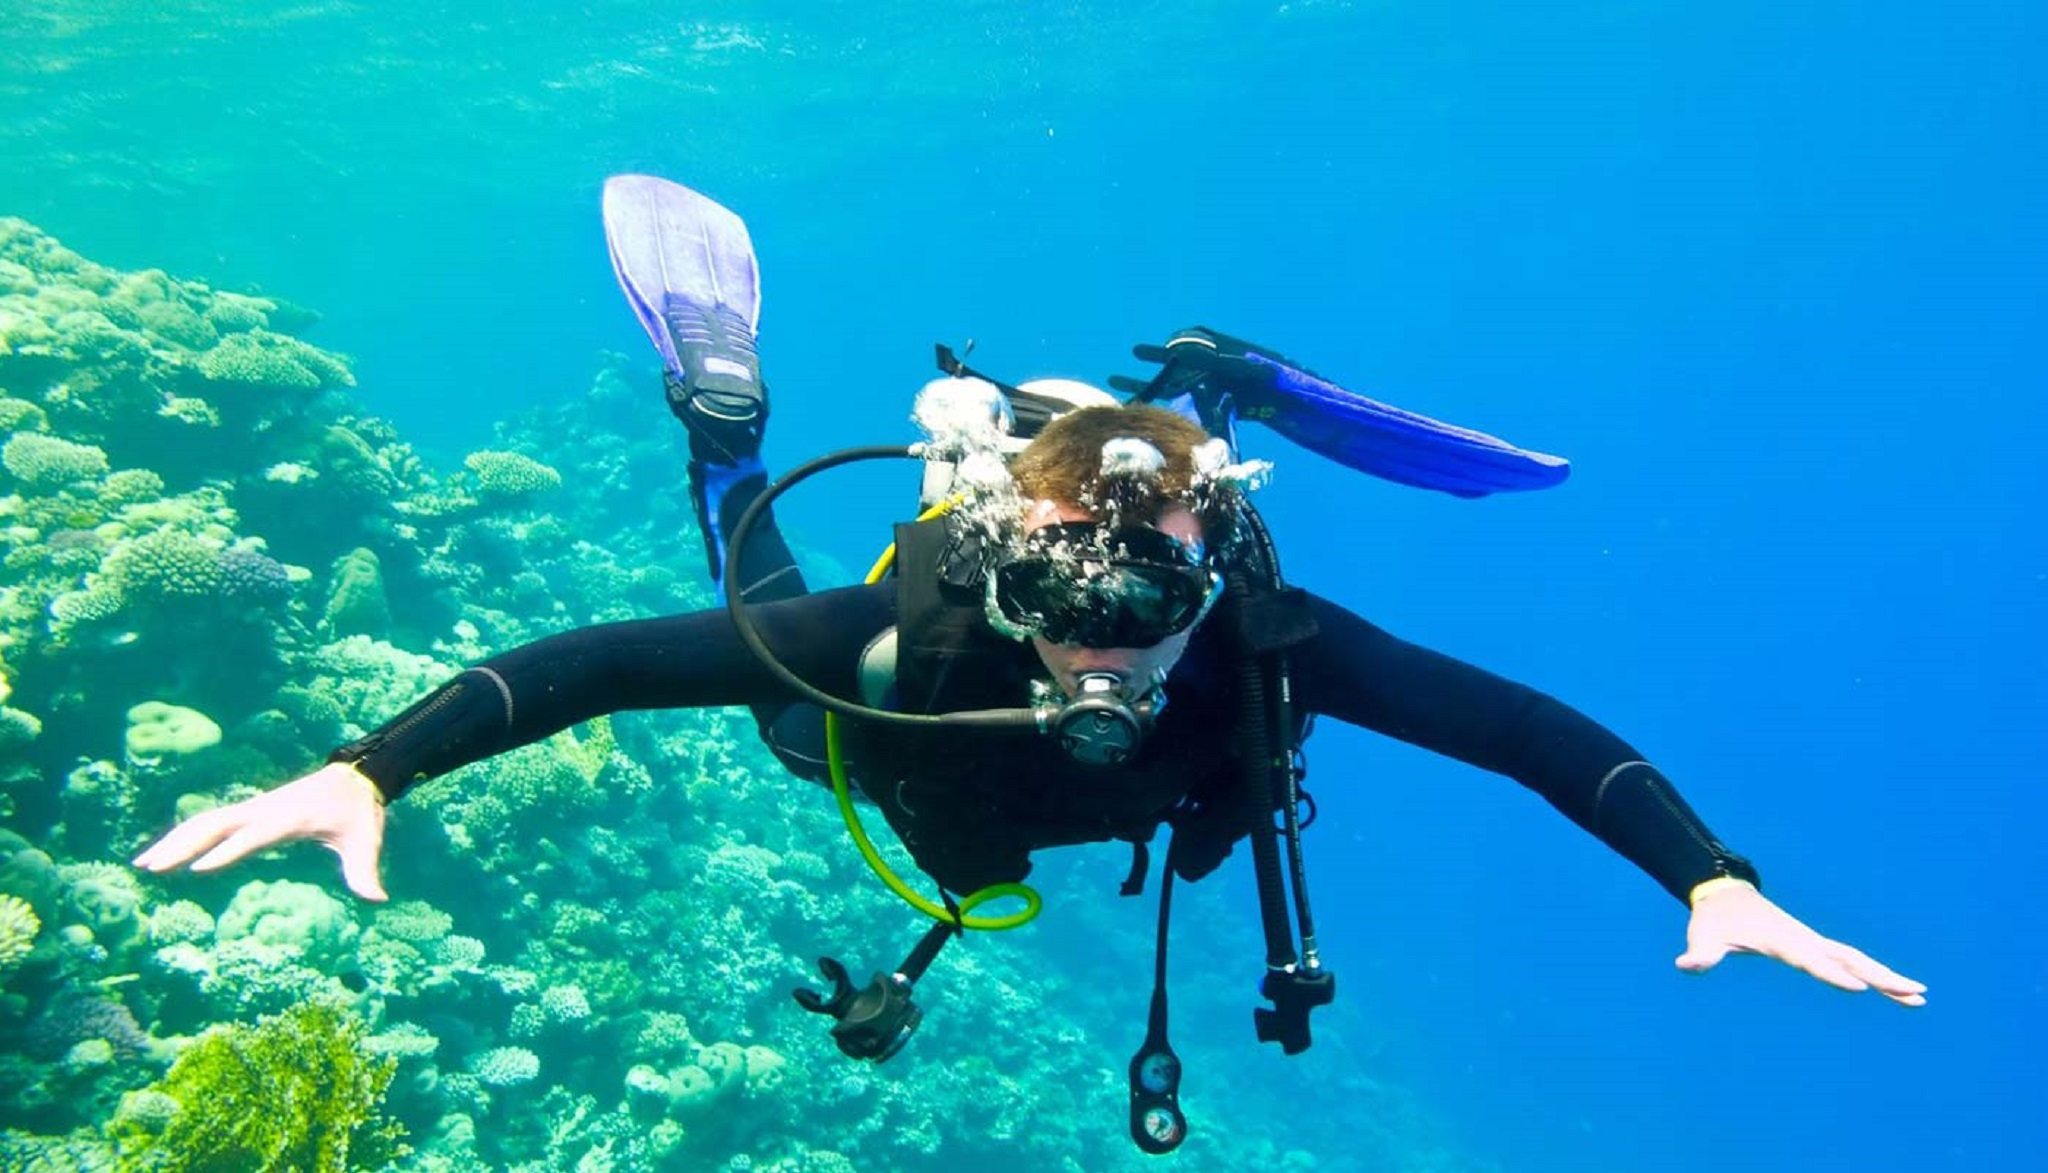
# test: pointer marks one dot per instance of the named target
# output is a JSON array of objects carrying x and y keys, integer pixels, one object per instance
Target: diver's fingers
[
  {"x": 1883, "y": 978},
  {"x": 186, "y": 840},
  {"x": 358, "y": 851},
  {"x": 1829, "y": 969},
  {"x": 246, "y": 840}
]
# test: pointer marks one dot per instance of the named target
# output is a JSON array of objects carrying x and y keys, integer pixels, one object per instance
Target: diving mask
[{"x": 1083, "y": 583}]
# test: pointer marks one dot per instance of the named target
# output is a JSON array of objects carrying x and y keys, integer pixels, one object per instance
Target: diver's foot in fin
[{"x": 718, "y": 393}]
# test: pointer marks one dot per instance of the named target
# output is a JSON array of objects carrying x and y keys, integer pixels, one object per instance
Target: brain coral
[
  {"x": 290, "y": 917},
  {"x": 157, "y": 729}
]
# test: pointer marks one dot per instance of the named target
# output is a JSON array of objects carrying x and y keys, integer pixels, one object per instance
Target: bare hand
[
  {"x": 1736, "y": 918},
  {"x": 335, "y": 805}
]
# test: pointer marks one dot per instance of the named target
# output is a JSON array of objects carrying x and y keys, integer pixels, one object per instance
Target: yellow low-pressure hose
[{"x": 842, "y": 789}]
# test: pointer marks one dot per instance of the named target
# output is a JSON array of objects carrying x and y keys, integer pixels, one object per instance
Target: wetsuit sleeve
[
  {"x": 682, "y": 661},
  {"x": 1361, "y": 675}
]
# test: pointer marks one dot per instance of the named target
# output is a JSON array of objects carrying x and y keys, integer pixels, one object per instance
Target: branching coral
[
  {"x": 249, "y": 576},
  {"x": 19, "y": 415},
  {"x": 263, "y": 359},
  {"x": 180, "y": 921},
  {"x": 505, "y": 1066},
  {"x": 414, "y": 921},
  {"x": 164, "y": 566},
  {"x": 507, "y": 475},
  {"x": 689, "y": 893},
  {"x": 591, "y": 754},
  {"x": 74, "y": 609},
  {"x": 45, "y": 463},
  {"x": 130, "y": 486},
  {"x": 18, "y": 728},
  {"x": 18, "y": 928}
]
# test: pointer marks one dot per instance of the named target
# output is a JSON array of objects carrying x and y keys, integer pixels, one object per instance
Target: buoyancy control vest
[{"x": 971, "y": 809}]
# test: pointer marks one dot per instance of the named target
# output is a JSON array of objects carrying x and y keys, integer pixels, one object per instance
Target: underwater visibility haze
[{"x": 316, "y": 385}]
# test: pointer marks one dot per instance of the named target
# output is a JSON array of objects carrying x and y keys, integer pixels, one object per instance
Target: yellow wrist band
[{"x": 1707, "y": 887}]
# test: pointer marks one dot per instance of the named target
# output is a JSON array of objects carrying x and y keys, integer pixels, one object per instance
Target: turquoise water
[{"x": 1769, "y": 277}]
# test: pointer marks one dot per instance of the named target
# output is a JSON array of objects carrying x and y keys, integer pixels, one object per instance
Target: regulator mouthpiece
[{"x": 1103, "y": 723}]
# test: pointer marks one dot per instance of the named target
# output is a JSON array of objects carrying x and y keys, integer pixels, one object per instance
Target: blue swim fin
[
  {"x": 1220, "y": 380},
  {"x": 687, "y": 267}
]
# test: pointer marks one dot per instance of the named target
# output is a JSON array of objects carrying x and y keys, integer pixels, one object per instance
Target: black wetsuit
[{"x": 1020, "y": 783}]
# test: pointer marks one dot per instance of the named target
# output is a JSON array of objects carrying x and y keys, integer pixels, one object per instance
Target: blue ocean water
[{"x": 1769, "y": 275}]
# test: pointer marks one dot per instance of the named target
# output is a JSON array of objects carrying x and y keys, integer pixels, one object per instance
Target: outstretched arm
[
  {"x": 1363, "y": 676},
  {"x": 1731, "y": 916},
  {"x": 520, "y": 697}
]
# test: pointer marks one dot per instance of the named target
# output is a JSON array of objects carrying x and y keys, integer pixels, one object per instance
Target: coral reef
[{"x": 219, "y": 566}]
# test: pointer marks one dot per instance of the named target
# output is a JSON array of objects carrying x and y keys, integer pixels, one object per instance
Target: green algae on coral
[{"x": 300, "y": 1090}]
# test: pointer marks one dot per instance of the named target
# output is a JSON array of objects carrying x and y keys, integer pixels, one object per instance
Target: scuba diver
[{"x": 1083, "y": 638}]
